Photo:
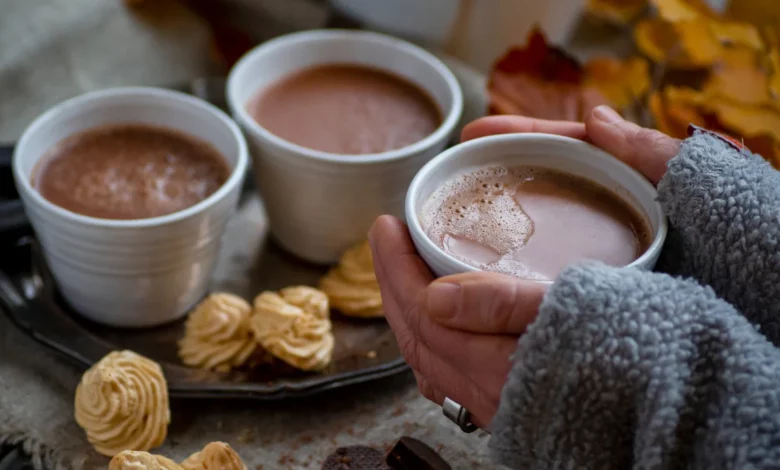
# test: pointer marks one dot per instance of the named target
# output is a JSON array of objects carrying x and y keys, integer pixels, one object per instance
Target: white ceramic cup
[
  {"x": 318, "y": 203},
  {"x": 539, "y": 150},
  {"x": 131, "y": 273}
]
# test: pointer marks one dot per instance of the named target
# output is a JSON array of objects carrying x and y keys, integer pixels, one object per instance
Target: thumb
[
  {"x": 645, "y": 150},
  {"x": 482, "y": 302}
]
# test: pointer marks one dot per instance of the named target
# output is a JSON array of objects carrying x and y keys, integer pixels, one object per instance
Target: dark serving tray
[{"x": 249, "y": 263}]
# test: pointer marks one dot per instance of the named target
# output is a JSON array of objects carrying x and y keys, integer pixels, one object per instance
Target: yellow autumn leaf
[
  {"x": 740, "y": 77},
  {"x": 747, "y": 121},
  {"x": 774, "y": 64},
  {"x": 673, "y": 117},
  {"x": 680, "y": 10},
  {"x": 617, "y": 11},
  {"x": 737, "y": 33},
  {"x": 655, "y": 38},
  {"x": 684, "y": 44},
  {"x": 689, "y": 96},
  {"x": 622, "y": 82},
  {"x": 700, "y": 46}
]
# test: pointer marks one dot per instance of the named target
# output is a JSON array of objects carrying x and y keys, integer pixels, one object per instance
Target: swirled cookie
[
  {"x": 215, "y": 456},
  {"x": 294, "y": 325},
  {"x": 139, "y": 460},
  {"x": 352, "y": 286},
  {"x": 217, "y": 333},
  {"x": 122, "y": 403}
]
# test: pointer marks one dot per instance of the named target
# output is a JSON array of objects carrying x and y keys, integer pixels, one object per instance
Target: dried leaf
[
  {"x": 541, "y": 81},
  {"x": 737, "y": 34},
  {"x": 673, "y": 118},
  {"x": 747, "y": 121},
  {"x": 623, "y": 83},
  {"x": 774, "y": 64},
  {"x": 765, "y": 146},
  {"x": 674, "y": 11},
  {"x": 655, "y": 38},
  {"x": 538, "y": 59},
  {"x": 529, "y": 96},
  {"x": 699, "y": 45},
  {"x": 739, "y": 77},
  {"x": 684, "y": 44},
  {"x": 617, "y": 11},
  {"x": 684, "y": 95}
]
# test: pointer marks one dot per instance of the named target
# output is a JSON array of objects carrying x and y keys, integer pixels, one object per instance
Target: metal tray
[{"x": 249, "y": 263}]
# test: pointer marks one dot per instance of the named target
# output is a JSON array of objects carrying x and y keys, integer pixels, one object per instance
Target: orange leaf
[
  {"x": 774, "y": 63},
  {"x": 739, "y": 77},
  {"x": 765, "y": 146},
  {"x": 737, "y": 34},
  {"x": 538, "y": 59},
  {"x": 541, "y": 81},
  {"x": 617, "y": 11},
  {"x": 622, "y": 82},
  {"x": 699, "y": 45},
  {"x": 655, "y": 38},
  {"x": 685, "y": 44},
  {"x": 673, "y": 118},
  {"x": 747, "y": 121},
  {"x": 682, "y": 10}
]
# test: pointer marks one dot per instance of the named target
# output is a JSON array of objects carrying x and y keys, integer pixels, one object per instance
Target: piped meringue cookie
[
  {"x": 217, "y": 333},
  {"x": 139, "y": 460},
  {"x": 294, "y": 325},
  {"x": 122, "y": 403},
  {"x": 352, "y": 286},
  {"x": 215, "y": 456}
]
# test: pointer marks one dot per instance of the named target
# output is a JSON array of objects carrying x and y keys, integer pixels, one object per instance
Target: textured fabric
[{"x": 631, "y": 369}]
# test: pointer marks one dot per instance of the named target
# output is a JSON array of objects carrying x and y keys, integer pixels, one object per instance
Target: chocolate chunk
[
  {"x": 411, "y": 454},
  {"x": 355, "y": 458}
]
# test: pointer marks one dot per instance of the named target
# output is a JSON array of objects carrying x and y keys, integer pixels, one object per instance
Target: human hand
[
  {"x": 458, "y": 332},
  {"x": 645, "y": 150}
]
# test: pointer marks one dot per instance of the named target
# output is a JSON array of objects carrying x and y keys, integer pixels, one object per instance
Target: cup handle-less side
[{"x": 12, "y": 217}]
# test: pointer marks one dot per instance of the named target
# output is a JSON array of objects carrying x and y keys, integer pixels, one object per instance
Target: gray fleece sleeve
[
  {"x": 724, "y": 209},
  {"x": 630, "y": 369}
]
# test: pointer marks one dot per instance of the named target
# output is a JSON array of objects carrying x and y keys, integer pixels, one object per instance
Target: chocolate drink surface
[
  {"x": 130, "y": 171},
  {"x": 531, "y": 222},
  {"x": 346, "y": 109}
]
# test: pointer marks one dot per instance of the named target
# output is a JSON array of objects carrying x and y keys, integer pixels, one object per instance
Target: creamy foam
[{"x": 532, "y": 222}]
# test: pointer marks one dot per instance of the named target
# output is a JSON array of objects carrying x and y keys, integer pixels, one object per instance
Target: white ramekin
[
  {"x": 318, "y": 203},
  {"x": 131, "y": 273},
  {"x": 540, "y": 150}
]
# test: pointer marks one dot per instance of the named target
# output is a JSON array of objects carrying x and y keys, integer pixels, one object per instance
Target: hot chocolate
[
  {"x": 532, "y": 222},
  {"x": 346, "y": 109},
  {"x": 130, "y": 171}
]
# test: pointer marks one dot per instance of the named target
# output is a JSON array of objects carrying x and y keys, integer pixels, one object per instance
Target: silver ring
[{"x": 458, "y": 415}]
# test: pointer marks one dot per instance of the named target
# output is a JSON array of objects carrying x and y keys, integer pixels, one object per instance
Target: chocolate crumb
[
  {"x": 398, "y": 411},
  {"x": 355, "y": 458}
]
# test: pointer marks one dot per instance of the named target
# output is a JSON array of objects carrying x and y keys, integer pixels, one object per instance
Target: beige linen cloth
[{"x": 54, "y": 49}]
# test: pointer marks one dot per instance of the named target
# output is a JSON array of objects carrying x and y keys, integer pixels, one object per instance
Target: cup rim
[
  {"x": 24, "y": 184},
  {"x": 451, "y": 119},
  {"x": 412, "y": 195}
]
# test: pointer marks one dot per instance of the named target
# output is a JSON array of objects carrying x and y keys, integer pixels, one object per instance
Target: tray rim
[{"x": 17, "y": 307}]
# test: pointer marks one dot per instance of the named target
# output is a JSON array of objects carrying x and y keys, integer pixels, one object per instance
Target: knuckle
[
  {"x": 425, "y": 387},
  {"x": 502, "y": 306},
  {"x": 410, "y": 350}
]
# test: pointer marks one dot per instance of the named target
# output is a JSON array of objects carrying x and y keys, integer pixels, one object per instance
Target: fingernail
[
  {"x": 442, "y": 300},
  {"x": 607, "y": 114}
]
